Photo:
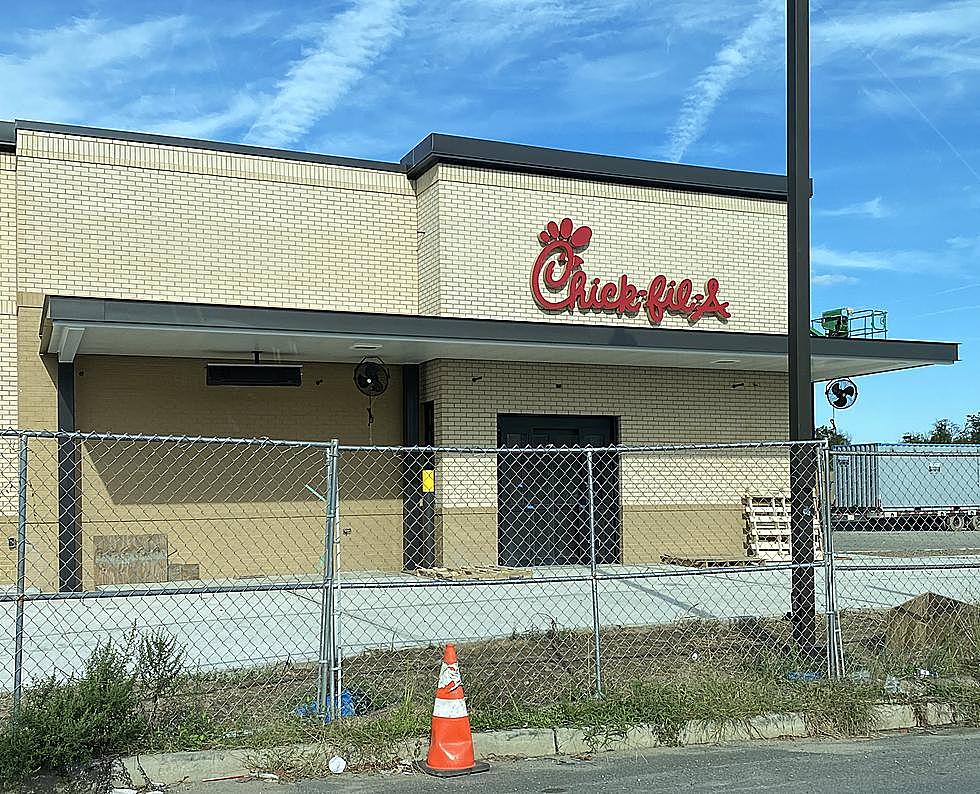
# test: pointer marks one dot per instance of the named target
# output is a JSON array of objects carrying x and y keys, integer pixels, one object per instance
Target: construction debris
[{"x": 931, "y": 620}]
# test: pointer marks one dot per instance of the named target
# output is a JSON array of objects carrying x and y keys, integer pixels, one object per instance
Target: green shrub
[{"x": 63, "y": 724}]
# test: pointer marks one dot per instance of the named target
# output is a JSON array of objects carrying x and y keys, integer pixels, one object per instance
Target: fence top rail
[
  {"x": 265, "y": 441},
  {"x": 621, "y": 448},
  {"x": 85, "y": 436},
  {"x": 909, "y": 454}
]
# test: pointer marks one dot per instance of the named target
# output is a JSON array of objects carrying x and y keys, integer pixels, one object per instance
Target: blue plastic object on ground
[
  {"x": 807, "y": 677},
  {"x": 312, "y": 708}
]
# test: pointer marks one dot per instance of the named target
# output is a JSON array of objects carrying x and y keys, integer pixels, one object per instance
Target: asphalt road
[
  {"x": 920, "y": 762},
  {"x": 927, "y": 543}
]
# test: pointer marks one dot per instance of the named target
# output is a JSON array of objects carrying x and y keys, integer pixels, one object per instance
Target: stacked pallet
[{"x": 767, "y": 528}]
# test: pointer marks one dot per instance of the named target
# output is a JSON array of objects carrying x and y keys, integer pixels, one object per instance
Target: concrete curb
[{"x": 171, "y": 768}]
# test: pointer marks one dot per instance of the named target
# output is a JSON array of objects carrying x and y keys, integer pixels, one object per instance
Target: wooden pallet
[
  {"x": 474, "y": 572},
  {"x": 710, "y": 562},
  {"x": 767, "y": 528}
]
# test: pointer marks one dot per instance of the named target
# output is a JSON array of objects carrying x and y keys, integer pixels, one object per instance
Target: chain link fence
[
  {"x": 566, "y": 570},
  {"x": 907, "y": 533},
  {"x": 301, "y": 578}
]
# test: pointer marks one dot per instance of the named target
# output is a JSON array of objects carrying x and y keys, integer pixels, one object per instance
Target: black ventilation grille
[{"x": 254, "y": 375}]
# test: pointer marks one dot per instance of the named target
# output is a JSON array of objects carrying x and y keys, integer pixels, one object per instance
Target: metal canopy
[{"x": 74, "y": 326}]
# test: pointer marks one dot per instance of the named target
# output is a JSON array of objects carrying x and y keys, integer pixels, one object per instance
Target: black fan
[
  {"x": 371, "y": 377},
  {"x": 841, "y": 393}
]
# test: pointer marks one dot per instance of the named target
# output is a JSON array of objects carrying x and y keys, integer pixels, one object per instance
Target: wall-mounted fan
[{"x": 371, "y": 377}]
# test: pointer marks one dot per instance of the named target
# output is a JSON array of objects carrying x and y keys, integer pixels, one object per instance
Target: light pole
[{"x": 803, "y": 461}]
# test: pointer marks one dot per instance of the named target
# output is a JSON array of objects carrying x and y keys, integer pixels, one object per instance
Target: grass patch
[
  {"x": 962, "y": 693},
  {"x": 838, "y": 708}
]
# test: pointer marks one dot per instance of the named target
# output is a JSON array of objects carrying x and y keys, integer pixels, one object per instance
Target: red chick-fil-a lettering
[{"x": 558, "y": 283}]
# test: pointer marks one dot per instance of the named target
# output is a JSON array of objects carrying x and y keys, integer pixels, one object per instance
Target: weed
[{"x": 159, "y": 664}]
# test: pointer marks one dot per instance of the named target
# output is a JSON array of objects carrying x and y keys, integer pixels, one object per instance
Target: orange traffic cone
[{"x": 451, "y": 747}]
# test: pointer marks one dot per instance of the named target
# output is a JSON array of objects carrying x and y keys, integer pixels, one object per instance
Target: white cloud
[
  {"x": 70, "y": 72},
  {"x": 888, "y": 101},
  {"x": 951, "y": 310},
  {"x": 242, "y": 110},
  {"x": 344, "y": 49},
  {"x": 736, "y": 58},
  {"x": 958, "y": 255},
  {"x": 832, "y": 279},
  {"x": 250, "y": 23},
  {"x": 881, "y": 29},
  {"x": 823, "y": 257},
  {"x": 907, "y": 45},
  {"x": 872, "y": 208}
]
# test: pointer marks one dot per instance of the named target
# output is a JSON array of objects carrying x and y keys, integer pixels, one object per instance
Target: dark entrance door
[{"x": 542, "y": 497}]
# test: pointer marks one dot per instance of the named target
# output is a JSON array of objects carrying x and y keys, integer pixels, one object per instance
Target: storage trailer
[{"x": 906, "y": 486}]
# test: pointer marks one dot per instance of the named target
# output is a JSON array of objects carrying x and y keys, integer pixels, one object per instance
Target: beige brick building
[{"x": 131, "y": 262}]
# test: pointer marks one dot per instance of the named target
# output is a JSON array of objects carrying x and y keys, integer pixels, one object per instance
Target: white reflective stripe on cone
[
  {"x": 449, "y": 708},
  {"x": 449, "y": 674}
]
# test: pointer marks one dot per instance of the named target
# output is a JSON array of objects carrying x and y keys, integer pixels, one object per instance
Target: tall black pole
[{"x": 803, "y": 463}]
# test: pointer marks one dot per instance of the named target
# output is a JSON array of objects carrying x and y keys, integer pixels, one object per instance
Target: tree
[
  {"x": 970, "y": 432},
  {"x": 945, "y": 431},
  {"x": 833, "y": 436}
]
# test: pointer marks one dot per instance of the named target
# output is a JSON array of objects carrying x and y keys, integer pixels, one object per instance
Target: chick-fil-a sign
[{"x": 558, "y": 283}]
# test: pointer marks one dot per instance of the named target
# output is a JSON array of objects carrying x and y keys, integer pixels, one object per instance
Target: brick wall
[
  {"x": 489, "y": 222},
  {"x": 133, "y": 220},
  {"x": 85, "y": 216},
  {"x": 8, "y": 361},
  {"x": 655, "y": 406},
  {"x": 685, "y": 503},
  {"x": 427, "y": 189},
  {"x": 8, "y": 291}
]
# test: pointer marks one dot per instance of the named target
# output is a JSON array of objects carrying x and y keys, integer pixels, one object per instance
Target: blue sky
[{"x": 896, "y": 84}]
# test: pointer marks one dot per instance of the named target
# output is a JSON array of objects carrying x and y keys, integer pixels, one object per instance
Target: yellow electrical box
[{"x": 428, "y": 481}]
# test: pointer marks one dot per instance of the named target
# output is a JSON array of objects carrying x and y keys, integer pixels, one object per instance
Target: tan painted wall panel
[
  {"x": 130, "y": 394},
  {"x": 234, "y": 510},
  {"x": 705, "y": 530}
]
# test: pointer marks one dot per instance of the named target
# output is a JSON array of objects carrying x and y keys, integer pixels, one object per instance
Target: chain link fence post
[
  {"x": 830, "y": 584},
  {"x": 21, "y": 571},
  {"x": 596, "y": 636},
  {"x": 328, "y": 697},
  {"x": 337, "y": 627},
  {"x": 803, "y": 601}
]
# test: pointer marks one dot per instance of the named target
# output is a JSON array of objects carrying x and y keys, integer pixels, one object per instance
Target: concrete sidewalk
[{"x": 239, "y": 630}]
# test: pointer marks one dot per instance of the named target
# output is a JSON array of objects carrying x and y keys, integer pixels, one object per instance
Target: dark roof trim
[
  {"x": 194, "y": 143},
  {"x": 437, "y": 148},
  {"x": 911, "y": 349},
  {"x": 154, "y": 313},
  {"x": 8, "y": 135}
]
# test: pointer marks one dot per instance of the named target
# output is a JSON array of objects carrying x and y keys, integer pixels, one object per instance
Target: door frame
[{"x": 608, "y": 488}]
